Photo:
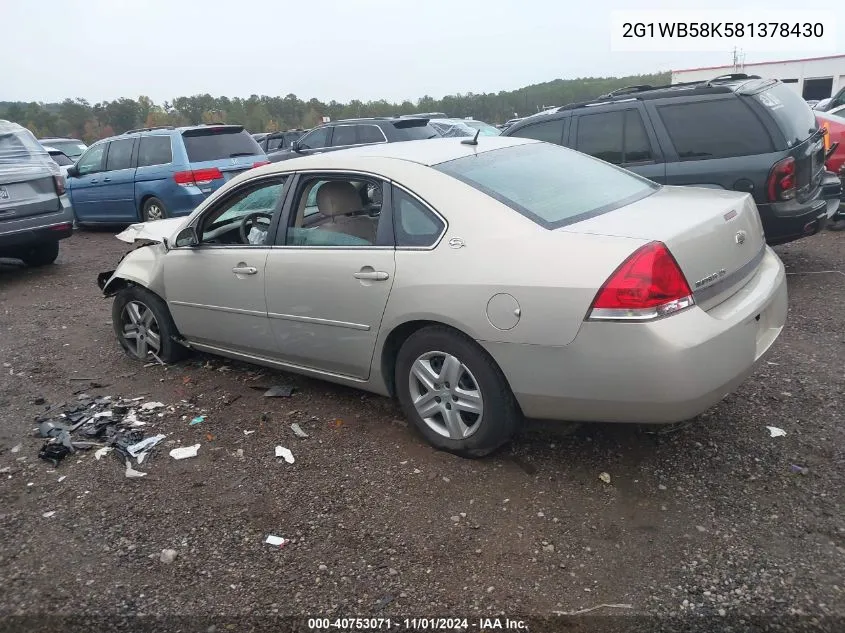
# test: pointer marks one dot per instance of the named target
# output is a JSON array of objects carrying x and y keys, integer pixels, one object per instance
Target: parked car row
[{"x": 735, "y": 133}]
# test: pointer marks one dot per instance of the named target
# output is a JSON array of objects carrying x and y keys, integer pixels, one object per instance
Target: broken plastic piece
[
  {"x": 799, "y": 470},
  {"x": 17, "y": 448},
  {"x": 53, "y": 452},
  {"x": 142, "y": 456},
  {"x": 279, "y": 391},
  {"x": 102, "y": 452},
  {"x": 775, "y": 431},
  {"x": 131, "y": 473},
  {"x": 184, "y": 452},
  {"x": 48, "y": 428},
  {"x": 47, "y": 515},
  {"x": 197, "y": 420},
  {"x": 298, "y": 430},
  {"x": 285, "y": 453},
  {"x": 149, "y": 406},
  {"x": 144, "y": 445},
  {"x": 248, "y": 432},
  {"x": 605, "y": 477},
  {"x": 276, "y": 540},
  {"x": 103, "y": 414}
]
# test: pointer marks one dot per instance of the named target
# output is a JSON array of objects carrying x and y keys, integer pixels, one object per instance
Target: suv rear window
[
  {"x": 414, "y": 130},
  {"x": 715, "y": 128},
  {"x": 549, "y": 184},
  {"x": 792, "y": 114},
  {"x": 219, "y": 142}
]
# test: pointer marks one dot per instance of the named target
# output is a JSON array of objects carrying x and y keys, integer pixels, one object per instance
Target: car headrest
[{"x": 337, "y": 197}]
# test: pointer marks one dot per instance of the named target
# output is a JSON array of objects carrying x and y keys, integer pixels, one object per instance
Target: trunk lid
[
  {"x": 716, "y": 236},
  {"x": 27, "y": 185},
  {"x": 228, "y": 148}
]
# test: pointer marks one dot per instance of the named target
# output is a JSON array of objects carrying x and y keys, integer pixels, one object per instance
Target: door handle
[
  {"x": 93, "y": 181},
  {"x": 375, "y": 275},
  {"x": 245, "y": 270},
  {"x": 106, "y": 179}
]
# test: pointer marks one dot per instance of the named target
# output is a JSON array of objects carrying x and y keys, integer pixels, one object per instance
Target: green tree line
[{"x": 80, "y": 119}]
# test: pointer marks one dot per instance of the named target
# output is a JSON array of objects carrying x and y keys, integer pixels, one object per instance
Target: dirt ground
[{"x": 709, "y": 522}]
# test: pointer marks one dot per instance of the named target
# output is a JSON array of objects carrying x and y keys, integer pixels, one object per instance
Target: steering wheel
[{"x": 251, "y": 220}]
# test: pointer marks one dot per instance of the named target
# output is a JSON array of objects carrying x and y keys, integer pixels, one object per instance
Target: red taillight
[
  {"x": 781, "y": 183},
  {"x": 649, "y": 284},
  {"x": 59, "y": 183},
  {"x": 260, "y": 163},
  {"x": 197, "y": 176},
  {"x": 61, "y": 227}
]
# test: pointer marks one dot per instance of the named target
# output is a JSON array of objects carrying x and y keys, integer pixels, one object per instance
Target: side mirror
[
  {"x": 295, "y": 147},
  {"x": 187, "y": 237},
  {"x": 72, "y": 172}
]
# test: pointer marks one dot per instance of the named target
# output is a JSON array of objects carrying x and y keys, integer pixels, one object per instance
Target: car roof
[
  {"x": 58, "y": 138},
  {"x": 425, "y": 152}
]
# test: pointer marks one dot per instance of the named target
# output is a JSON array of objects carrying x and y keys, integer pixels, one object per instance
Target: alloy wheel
[
  {"x": 446, "y": 395},
  {"x": 140, "y": 330},
  {"x": 154, "y": 212}
]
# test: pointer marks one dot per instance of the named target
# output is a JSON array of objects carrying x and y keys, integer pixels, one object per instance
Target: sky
[{"x": 328, "y": 49}]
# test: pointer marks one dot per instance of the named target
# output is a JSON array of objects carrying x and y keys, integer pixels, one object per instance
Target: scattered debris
[
  {"x": 53, "y": 452},
  {"x": 605, "y": 477},
  {"x": 61, "y": 479},
  {"x": 276, "y": 540},
  {"x": 799, "y": 470},
  {"x": 47, "y": 515},
  {"x": 17, "y": 448},
  {"x": 281, "y": 451},
  {"x": 297, "y": 430},
  {"x": 248, "y": 432},
  {"x": 197, "y": 420},
  {"x": 102, "y": 452},
  {"x": 184, "y": 452},
  {"x": 131, "y": 473},
  {"x": 775, "y": 431},
  {"x": 279, "y": 391},
  {"x": 168, "y": 556},
  {"x": 150, "y": 406},
  {"x": 144, "y": 445}
]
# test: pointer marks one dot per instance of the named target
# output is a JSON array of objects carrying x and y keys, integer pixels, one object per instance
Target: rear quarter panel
[{"x": 552, "y": 275}]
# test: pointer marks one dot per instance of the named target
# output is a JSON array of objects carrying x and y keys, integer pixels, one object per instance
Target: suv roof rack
[
  {"x": 147, "y": 129},
  {"x": 627, "y": 90}
]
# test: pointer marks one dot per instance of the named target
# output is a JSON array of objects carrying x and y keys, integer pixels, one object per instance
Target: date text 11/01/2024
[{"x": 416, "y": 624}]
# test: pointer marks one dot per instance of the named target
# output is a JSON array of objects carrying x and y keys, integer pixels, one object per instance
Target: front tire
[
  {"x": 144, "y": 327},
  {"x": 40, "y": 254},
  {"x": 454, "y": 393},
  {"x": 153, "y": 209}
]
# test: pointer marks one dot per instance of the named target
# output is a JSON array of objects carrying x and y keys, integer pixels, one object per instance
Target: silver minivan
[{"x": 35, "y": 212}]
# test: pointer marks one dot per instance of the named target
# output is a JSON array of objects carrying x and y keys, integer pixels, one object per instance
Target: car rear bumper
[
  {"x": 788, "y": 221},
  {"x": 666, "y": 371},
  {"x": 35, "y": 230}
]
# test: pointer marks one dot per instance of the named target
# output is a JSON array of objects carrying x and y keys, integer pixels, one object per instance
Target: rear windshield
[
  {"x": 414, "y": 130},
  {"x": 551, "y": 185},
  {"x": 217, "y": 143},
  {"x": 71, "y": 148},
  {"x": 792, "y": 114}
]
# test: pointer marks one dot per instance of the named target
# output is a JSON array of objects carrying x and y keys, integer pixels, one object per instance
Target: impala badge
[
  {"x": 710, "y": 278},
  {"x": 456, "y": 242},
  {"x": 740, "y": 237}
]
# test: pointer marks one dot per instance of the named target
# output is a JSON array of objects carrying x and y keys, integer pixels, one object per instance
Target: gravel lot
[{"x": 709, "y": 520}]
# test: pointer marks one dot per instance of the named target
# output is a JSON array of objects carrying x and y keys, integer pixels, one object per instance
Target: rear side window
[
  {"x": 217, "y": 143},
  {"x": 549, "y": 184},
  {"x": 413, "y": 223},
  {"x": 316, "y": 138},
  {"x": 715, "y": 129},
  {"x": 344, "y": 135},
  {"x": 61, "y": 159},
  {"x": 549, "y": 131},
  {"x": 154, "y": 150},
  {"x": 120, "y": 154},
  {"x": 601, "y": 135},
  {"x": 370, "y": 134},
  {"x": 792, "y": 114}
]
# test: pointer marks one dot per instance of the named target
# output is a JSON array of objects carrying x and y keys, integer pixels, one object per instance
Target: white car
[
  {"x": 478, "y": 282},
  {"x": 60, "y": 158}
]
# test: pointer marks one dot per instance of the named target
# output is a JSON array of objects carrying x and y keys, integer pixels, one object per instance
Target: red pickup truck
[{"x": 834, "y": 144}]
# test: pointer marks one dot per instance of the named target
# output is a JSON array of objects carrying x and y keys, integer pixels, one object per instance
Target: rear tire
[
  {"x": 443, "y": 380},
  {"x": 40, "y": 254},
  {"x": 142, "y": 324},
  {"x": 153, "y": 209}
]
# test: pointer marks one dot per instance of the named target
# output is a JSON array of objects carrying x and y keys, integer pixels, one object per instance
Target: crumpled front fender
[{"x": 142, "y": 266}]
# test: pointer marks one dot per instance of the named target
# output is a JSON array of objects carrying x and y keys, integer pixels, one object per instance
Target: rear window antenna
[{"x": 473, "y": 140}]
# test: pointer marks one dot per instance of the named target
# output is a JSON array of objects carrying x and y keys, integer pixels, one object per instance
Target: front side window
[
  {"x": 92, "y": 160},
  {"x": 337, "y": 211},
  {"x": 715, "y": 128},
  {"x": 549, "y": 184},
  {"x": 244, "y": 218},
  {"x": 414, "y": 224},
  {"x": 120, "y": 154},
  {"x": 154, "y": 150},
  {"x": 315, "y": 139},
  {"x": 548, "y": 131}
]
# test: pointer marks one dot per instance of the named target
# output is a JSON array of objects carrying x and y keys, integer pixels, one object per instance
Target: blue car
[{"x": 155, "y": 173}]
